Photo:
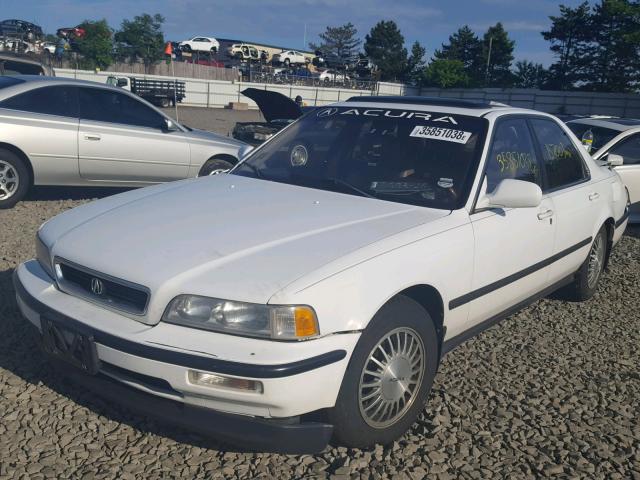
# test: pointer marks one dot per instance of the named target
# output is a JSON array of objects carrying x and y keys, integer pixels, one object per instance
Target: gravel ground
[{"x": 553, "y": 391}]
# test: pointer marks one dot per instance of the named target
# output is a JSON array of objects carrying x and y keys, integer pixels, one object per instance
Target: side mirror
[
  {"x": 244, "y": 151},
  {"x": 512, "y": 193},
  {"x": 615, "y": 160},
  {"x": 169, "y": 126},
  {"x": 122, "y": 82}
]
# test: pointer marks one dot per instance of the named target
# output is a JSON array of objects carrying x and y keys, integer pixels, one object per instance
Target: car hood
[
  {"x": 225, "y": 236},
  {"x": 203, "y": 135},
  {"x": 273, "y": 105}
]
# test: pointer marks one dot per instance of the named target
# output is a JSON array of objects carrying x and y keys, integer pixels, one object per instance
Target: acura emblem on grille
[{"x": 97, "y": 287}]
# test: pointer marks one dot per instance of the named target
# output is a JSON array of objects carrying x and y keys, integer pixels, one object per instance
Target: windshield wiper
[{"x": 353, "y": 188}]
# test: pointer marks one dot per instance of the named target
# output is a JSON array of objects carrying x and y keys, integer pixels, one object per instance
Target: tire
[
  {"x": 186, "y": 48},
  {"x": 214, "y": 166},
  {"x": 165, "y": 102},
  {"x": 588, "y": 276},
  {"x": 14, "y": 179},
  {"x": 356, "y": 419},
  {"x": 287, "y": 62}
]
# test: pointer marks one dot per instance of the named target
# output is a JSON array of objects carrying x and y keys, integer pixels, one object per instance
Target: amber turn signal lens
[{"x": 306, "y": 323}]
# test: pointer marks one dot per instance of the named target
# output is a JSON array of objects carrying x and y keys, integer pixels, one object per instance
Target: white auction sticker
[{"x": 440, "y": 133}]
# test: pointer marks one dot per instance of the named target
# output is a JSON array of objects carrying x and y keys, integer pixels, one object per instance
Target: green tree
[
  {"x": 445, "y": 73},
  {"x": 570, "y": 35},
  {"x": 141, "y": 38},
  {"x": 529, "y": 75},
  {"x": 415, "y": 64},
  {"x": 497, "y": 52},
  {"x": 613, "y": 51},
  {"x": 384, "y": 45},
  {"x": 340, "y": 42},
  {"x": 465, "y": 46},
  {"x": 96, "y": 46}
]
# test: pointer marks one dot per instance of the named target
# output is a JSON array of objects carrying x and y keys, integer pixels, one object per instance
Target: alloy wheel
[
  {"x": 9, "y": 180},
  {"x": 596, "y": 261},
  {"x": 391, "y": 377}
]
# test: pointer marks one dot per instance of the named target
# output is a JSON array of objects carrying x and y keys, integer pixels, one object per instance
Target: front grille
[{"x": 101, "y": 288}]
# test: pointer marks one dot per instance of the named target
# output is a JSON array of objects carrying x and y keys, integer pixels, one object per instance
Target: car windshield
[
  {"x": 414, "y": 157},
  {"x": 601, "y": 135}
]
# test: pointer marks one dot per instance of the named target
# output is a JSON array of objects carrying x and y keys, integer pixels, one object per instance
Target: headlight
[
  {"x": 262, "y": 136},
  {"x": 43, "y": 256},
  {"x": 278, "y": 322}
]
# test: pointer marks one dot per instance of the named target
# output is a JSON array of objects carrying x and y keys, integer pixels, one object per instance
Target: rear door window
[
  {"x": 562, "y": 162},
  {"x": 54, "y": 100},
  {"x": 512, "y": 154},
  {"x": 110, "y": 106}
]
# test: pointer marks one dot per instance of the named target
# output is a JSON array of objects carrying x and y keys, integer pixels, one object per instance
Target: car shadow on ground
[
  {"x": 633, "y": 231},
  {"x": 20, "y": 354}
]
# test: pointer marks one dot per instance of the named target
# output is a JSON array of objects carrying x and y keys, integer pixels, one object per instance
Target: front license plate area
[{"x": 70, "y": 346}]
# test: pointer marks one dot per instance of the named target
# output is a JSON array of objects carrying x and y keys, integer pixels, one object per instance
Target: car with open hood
[
  {"x": 311, "y": 292},
  {"x": 277, "y": 109}
]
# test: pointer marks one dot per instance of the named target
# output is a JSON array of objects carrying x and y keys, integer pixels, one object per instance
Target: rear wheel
[
  {"x": 588, "y": 277},
  {"x": 287, "y": 62},
  {"x": 214, "y": 166},
  {"x": 14, "y": 179},
  {"x": 165, "y": 102},
  {"x": 389, "y": 376}
]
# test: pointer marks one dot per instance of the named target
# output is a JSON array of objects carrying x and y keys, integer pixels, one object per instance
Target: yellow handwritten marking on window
[
  {"x": 514, "y": 162},
  {"x": 557, "y": 151}
]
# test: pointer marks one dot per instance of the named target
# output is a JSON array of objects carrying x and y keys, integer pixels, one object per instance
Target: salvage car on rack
[
  {"x": 313, "y": 290},
  {"x": 60, "y": 131},
  {"x": 615, "y": 141}
]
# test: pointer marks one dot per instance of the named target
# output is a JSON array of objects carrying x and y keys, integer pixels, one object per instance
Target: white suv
[
  {"x": 200, "y": 44},
  {"x": 313, "y": 290},
  {"x": 290, "y": 57}
]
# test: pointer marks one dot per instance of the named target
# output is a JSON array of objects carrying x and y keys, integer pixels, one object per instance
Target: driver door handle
[
  {"x": 594, "y": 196},
  {"x": 92, "y": 136},
  {"x": 545, "y": 214}
]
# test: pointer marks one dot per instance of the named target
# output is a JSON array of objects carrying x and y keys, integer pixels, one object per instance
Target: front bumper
[{"x": 135, "y": 358}]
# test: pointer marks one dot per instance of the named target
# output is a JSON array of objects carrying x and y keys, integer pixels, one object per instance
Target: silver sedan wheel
[
  {"x": 9, "y": 180},
  {"x": 391, "y": 377},
  {"x": 596, "y": 261}
]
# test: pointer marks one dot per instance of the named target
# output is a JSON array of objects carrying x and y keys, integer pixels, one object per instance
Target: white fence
[
  {"x": 218, "y": 93},
  {"x": 551, "y": 101}
]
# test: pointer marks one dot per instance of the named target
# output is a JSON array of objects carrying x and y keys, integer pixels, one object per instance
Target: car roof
[
  {"x": 29, "y": 80},
  {"x": 619, "y": 124},
  {"x": 436, "y": 104}
]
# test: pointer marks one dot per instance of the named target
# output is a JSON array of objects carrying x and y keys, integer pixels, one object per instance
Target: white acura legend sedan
[{"x": 312, "y": 291}]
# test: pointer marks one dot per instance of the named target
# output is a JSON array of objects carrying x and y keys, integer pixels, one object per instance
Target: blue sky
[{"x": 282, "y": 22}]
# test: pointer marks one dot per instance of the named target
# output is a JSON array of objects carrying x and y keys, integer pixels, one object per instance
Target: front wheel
[
  {"x": 215, "y": 166},
  {"x": 389, "y": 376},
  {"x": 14, "y": 179},
  {"x": 165, "y": 102}
]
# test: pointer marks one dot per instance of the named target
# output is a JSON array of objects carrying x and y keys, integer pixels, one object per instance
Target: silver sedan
[{"x": 57, "y": 131}]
